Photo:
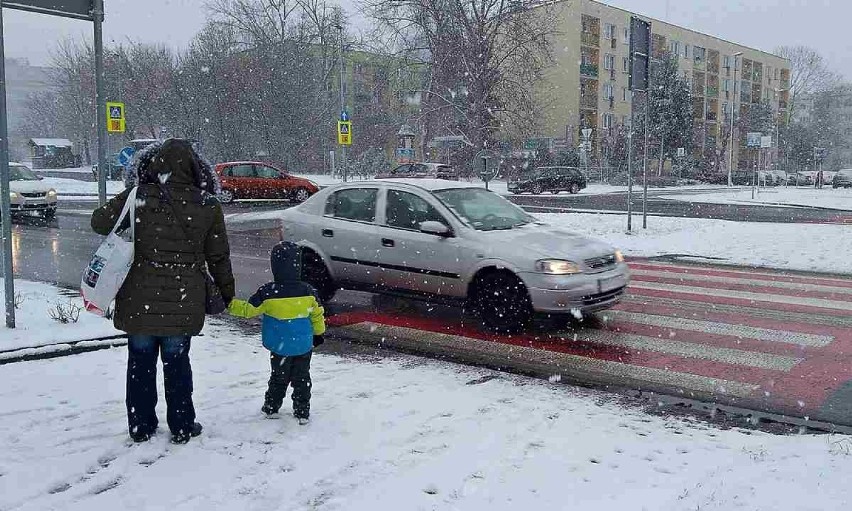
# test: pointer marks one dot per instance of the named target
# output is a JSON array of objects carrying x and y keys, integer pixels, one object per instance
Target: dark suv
[{"x": 549, "y": 179}]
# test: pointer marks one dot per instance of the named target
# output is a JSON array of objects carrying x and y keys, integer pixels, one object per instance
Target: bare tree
[
  {"x": 479, "y": 60},
  {"x": 809, "y": 72}
]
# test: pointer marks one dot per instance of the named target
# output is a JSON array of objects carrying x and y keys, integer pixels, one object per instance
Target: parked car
[
  {"x": 455, "y": 242},
  {"x": 843, "y": 179},
  {"x": 259, "y": 180},
  {"x": 27, "y": 192},
  {"x": 549, "y": 179},
  {"x": 804, "y": 178},
  {"x": 421, "y": 170}
]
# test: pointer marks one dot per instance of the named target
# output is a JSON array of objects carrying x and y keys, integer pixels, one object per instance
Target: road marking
[
  {"x": 692, "y": 350},
  {"x": 736, "y": 273},
  {"x": 712, "y": 327},
  {"x": 799, "y": 286},
  {"x": 440, "y": 343},
  {"x": 745, "y": 295}
]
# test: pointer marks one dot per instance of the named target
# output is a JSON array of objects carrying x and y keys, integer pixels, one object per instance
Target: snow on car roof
[
  {"x": 55, "y": 142},
  {"x": 430, "y": 184}
]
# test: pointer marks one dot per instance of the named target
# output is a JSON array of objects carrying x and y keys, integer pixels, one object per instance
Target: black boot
[{"x": 183, "y": 437}]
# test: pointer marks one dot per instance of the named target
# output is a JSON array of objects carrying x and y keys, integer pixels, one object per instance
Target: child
[{"x": 293, "y": 324}]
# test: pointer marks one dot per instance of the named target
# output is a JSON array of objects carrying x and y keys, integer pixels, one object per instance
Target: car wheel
[
  {"x": 575, "y": 188},
  {"x": 227, "y": 196},
  {"x": 555, "y": 192},
  {"x": 301, "y": 195},
  {"x": 315, "y": 273},
  {"x": 501, "y": 301},
  {"x": 537, "y": 189}
]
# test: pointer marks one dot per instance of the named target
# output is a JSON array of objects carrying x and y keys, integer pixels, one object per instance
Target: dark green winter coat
[{"x": 165, "y": 290}]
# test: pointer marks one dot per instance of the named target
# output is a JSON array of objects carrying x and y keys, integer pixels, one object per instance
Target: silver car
[{"x": 452, "y": 240}]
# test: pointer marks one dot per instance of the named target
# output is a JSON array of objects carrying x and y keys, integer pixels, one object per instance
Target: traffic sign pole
[
  {"x": 5, "y": 206},
  {"x": 99, "y": 99}
]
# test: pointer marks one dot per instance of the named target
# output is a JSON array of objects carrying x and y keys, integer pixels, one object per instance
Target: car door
[
  {"x": 348, "y": 233},
  {"x": 239, "y": 178},
  {"x": 410, "y": 259},
  {"x": 270, "y": 183}
]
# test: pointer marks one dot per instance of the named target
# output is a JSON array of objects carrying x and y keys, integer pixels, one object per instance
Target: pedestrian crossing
[{"x": 764, "y": 339}]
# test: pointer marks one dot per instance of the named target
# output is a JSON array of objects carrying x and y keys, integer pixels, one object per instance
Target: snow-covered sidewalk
[
  {"x": 811, "y": 247},
  {"x": 69, "y": 188},
  {"x": 401, "y": 433},
  {"x": 826, "y": 197},
  {"x": 35, "y": 327}
]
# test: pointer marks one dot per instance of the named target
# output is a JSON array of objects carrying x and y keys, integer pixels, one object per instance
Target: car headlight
[
  {"x": 51, "y": 193},
  {"x": 619, "y": 257},
  {"x": 557, "y": 267},
  {"x": 13, "y": 196}
]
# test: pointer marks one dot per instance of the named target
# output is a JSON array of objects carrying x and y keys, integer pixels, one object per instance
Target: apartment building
[{"x": 587, "y": 87}]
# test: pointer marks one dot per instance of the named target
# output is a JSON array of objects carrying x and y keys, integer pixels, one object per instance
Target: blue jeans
[{"x": 142, "y": 383}]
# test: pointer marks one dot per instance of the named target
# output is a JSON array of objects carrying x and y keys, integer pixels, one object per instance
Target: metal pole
[
  {"x": 342, "y": 103},
  {"x": 5, "y": 207},
  {"x": 100, "y": 100},
  {"x": 630, "y": 165},
  {"x": 645, "y": 163},
  {"x": 756, "y": 174},
  {"x": 733, "y": 110}
]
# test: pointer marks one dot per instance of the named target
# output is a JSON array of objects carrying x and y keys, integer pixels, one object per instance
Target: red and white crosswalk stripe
[{"x": 783, "y": 340}]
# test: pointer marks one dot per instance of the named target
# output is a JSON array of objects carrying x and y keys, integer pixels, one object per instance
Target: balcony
[
  {"x": 712, "y": 92},
  {"x": 590, "y": 70},
  {"x": 590, "y": 39},
  {"x": 589, "y": 102}
]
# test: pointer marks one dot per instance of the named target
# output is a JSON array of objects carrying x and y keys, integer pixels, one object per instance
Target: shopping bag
[{"x": 108, "y": 268}]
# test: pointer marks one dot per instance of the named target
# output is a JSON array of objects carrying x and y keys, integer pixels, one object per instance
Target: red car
[{"x": 259, "y": 180}]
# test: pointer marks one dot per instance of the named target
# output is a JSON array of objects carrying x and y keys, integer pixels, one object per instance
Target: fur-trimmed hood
[{"x": 174, "y": 160}]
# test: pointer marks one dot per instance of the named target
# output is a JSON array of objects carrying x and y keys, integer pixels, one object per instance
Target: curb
[{"x": 61, "y": 349}]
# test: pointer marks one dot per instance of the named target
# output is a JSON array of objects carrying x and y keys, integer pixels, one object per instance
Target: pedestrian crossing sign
[
  {"x": 115, "y": 117},
  {"x": 344, "y": 132}
]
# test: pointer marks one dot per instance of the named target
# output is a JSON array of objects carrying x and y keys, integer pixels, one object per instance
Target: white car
[
  {"x": 27, "y": 193},
  {"x": 454, "y": 241}
]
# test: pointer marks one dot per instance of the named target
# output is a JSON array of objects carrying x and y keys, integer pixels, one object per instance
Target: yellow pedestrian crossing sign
[
  {"x": 115, "y": 117},
  {"x": 344, "y": 132}
]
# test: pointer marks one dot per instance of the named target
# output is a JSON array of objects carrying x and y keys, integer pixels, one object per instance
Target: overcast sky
[{"x": 764, "y": 24}]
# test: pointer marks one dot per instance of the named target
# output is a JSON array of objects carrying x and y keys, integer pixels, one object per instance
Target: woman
[{"x": 179, "y": 229}]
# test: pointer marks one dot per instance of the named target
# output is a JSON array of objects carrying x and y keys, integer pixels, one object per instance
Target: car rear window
[{"x": 353, "y": 204}]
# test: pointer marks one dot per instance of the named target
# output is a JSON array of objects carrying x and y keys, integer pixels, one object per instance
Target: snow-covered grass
[
  {"x": 386, "y": 433},
  {"x": 786, "y": 246},
  {"x": 826, "y": 197},
  {"x": 36, "y": 328}
]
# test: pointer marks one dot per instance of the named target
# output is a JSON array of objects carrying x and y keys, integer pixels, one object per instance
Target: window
[
  {"x": 698, "y": 54},
  {"x": 625, "y": 37},
  {"x": 407, "y": 211},
  {"x": 726, "y": 62},
  {"x": 353, "y": 204},
  {"x": 483, "y": 210},
  {"x": 240, "y": 171},
  {"x": 608, "y": 90},
  {"x": 609, "y": 61},
  {"x": 608, "y": 120},
  {"x": 674, "y": 47},
  {"x": 625, "y": 64},
  {"x": 609, "y": 31},
  {"x": 686, "y": 51},
  {"x": 624, "y": 94},
  {"x": 726, "y": 85},
  {"x": 267, "y": 172}
]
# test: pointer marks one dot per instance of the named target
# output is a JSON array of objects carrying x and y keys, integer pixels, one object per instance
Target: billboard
[
  {"x": 753, "y": 138},
  {"x": 79, "y": 9}
]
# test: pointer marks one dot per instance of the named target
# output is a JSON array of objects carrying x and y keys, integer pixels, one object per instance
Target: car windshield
[
  {"x": 483, "y": 210},
  {"x": 21, "y": 173}
]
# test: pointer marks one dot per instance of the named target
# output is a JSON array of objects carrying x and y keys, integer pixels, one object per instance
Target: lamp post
[
  {"x": 777, "y": 136},
  {"x": 733, "y": 109},
  {"x": 342, "y": 98}
]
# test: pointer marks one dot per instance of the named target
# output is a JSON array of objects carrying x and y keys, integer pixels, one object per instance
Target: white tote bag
[{"x": 109, "y": 266}]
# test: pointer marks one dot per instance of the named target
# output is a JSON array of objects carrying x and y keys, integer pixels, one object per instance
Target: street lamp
[{"x": 733, "y": 105}]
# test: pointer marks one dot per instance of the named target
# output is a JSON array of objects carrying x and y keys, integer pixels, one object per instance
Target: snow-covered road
[{"x": 398, "y": 433}]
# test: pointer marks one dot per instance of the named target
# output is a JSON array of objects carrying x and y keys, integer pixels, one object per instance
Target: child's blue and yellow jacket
[{"x": 292, "y": 312}]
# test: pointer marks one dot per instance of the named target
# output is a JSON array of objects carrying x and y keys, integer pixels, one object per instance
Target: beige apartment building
[{"x": 587, "y": 87}]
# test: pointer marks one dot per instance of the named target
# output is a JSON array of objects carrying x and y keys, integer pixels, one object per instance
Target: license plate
[{"x": 610, "y": 283}]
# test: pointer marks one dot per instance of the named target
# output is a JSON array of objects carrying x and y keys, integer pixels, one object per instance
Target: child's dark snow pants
[{"x": 294, "y": 371}]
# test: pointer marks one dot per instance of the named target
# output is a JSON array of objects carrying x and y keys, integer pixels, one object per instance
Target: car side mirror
[{"x": 435, "y": 228}]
